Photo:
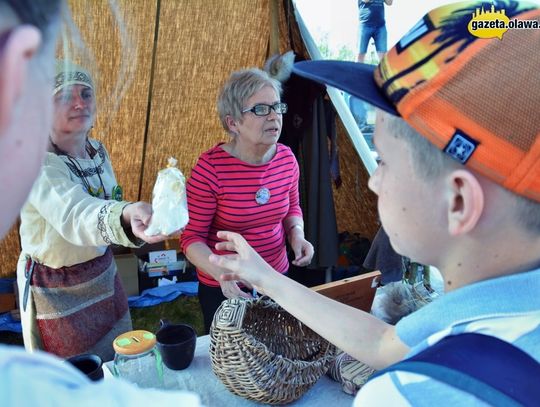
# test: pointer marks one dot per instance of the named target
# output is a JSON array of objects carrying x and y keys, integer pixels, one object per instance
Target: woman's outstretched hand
[
  {"x": 138, "y": 216},
  {"x": 244, "y": 264}
]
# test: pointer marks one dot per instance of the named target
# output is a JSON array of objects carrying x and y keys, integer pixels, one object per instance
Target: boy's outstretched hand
[{"x": 244, "y": 265}]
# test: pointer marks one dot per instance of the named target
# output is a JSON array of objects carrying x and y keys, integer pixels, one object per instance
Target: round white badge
[{"x": 262, "y": 196}]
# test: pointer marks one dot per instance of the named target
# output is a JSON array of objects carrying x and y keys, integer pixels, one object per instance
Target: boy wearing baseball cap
[{"x": 458, "y": 185}]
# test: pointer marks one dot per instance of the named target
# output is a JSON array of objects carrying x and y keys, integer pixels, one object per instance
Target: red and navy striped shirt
[{"x": 221, "y": 196}]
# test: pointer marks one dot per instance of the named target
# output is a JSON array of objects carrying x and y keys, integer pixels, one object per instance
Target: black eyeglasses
[{"x": 264, "y": 110}]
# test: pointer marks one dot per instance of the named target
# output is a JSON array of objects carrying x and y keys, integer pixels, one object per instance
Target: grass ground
[{"x": 183, "y": 310}]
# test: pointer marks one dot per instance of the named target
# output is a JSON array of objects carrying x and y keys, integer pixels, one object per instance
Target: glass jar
[{"x": 137, "y": 359}]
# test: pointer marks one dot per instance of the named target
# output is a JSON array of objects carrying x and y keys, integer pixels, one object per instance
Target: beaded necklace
[{"x": 80, "y": 172}]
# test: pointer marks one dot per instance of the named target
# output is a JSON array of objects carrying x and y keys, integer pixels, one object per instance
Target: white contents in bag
[{"x": 169, "y": 202}]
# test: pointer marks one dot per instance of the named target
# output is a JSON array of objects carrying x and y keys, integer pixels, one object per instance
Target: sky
[{"x": 339, "y": 18}]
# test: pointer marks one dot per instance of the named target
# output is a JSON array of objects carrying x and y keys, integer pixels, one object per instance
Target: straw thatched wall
[
  {"x": 181, "y": 52},
  {"x": 356, "y": 205}
]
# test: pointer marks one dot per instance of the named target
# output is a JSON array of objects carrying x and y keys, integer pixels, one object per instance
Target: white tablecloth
[{"x": 200, "y": 378}]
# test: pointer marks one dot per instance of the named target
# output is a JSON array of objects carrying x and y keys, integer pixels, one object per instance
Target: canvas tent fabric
[{"x": 181, "y": 52}]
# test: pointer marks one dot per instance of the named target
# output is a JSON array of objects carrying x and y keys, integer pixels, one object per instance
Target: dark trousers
[{"x": 210, "y": 299}]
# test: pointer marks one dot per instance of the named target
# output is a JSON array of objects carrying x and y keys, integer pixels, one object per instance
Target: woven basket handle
[{"x": 230, "y": 314}]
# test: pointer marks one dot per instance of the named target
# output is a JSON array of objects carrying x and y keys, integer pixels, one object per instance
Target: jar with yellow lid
[{"x": 137, "y": 359}]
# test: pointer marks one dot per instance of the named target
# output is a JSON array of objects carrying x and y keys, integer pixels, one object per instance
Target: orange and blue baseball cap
[{"x": 466, "y": 78}]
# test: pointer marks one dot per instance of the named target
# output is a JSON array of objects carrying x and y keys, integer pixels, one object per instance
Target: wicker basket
[{"x": 262, "y": 353}]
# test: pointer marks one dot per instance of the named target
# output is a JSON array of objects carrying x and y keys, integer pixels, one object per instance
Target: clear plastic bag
[{"x": 169, "y": 201}]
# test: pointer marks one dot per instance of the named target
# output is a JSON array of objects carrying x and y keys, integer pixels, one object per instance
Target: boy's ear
[
  {"x": 465, "y": 202},
  {"x": 17, "y": 47}
]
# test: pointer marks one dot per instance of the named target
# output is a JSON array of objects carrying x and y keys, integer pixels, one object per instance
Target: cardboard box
[
  {"x": 358, "y": 292},
  {"x": 150, "y": 272},
  {"x": 128, "y": 270},
  {"x": 142, "y": 252},
  {"x": 162, "y": 257},
  {"x": 7, "y": 302},
  {"x": 8, "y": 288}
]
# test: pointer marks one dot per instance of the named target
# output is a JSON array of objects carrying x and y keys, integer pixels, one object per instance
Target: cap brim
[{"x": 352, "y": 77}]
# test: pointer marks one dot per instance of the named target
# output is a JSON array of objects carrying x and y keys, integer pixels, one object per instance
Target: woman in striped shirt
[{"x": 248, "y": 185}]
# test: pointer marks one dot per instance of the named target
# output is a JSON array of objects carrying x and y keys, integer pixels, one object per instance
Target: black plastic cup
[
  {"x": 176, "y": 343},
  {"x": 90, "y": 364}
]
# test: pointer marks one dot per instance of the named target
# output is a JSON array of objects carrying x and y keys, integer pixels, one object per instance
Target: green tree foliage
[
  {"x": 342, "y": 53},
  {"x": 345, "y": 54}
]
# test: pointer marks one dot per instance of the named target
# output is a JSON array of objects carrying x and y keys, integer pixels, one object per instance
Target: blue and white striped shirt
[{"x": 505, "y": 307}]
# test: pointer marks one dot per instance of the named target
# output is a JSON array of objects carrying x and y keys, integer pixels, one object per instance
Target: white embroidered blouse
[{"x": 61, "y": 223}]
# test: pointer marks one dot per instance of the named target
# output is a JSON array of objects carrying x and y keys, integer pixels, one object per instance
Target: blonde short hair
[{"x": 240, "y": 86}]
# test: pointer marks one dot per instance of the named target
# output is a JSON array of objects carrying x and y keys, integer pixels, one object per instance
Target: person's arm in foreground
[
  {"x": 198, "y": 254},
  {"x": 358, "y": 333},
  {"x": 62, "y": 385}
]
